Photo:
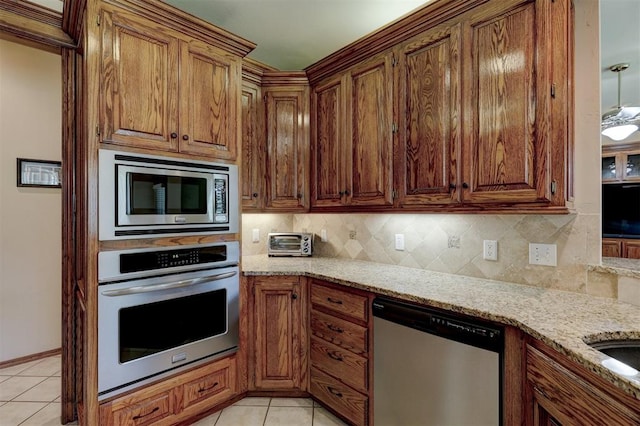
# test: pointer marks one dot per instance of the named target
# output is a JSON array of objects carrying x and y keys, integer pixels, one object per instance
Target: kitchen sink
[{"x": 625, "y": 351}]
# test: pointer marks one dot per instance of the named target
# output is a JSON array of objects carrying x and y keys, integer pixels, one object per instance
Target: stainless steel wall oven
[{"x": 160, "y": 310}]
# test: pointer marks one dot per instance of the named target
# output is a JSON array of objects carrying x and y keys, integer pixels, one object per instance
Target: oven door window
[
  {"x": 163, "y": 194},
  {"x": 147, "y": 329}
]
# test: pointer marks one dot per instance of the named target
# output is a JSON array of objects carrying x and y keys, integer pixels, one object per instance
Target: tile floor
[{"x": 30, "y": 396}]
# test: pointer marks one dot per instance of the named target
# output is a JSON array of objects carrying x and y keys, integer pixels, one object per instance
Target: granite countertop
[
  {"x": 618, "y": 266},
  {"x": 563, "y": 320}
]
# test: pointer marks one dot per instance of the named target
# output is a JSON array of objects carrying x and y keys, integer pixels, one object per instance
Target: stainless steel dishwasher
[{"x": 435, "y": 368}]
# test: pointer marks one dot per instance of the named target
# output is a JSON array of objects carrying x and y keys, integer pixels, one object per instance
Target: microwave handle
[{"x": 167, "y": 286}]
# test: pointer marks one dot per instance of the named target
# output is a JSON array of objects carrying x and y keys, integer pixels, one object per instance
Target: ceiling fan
[{"x": 620, "y": 122}]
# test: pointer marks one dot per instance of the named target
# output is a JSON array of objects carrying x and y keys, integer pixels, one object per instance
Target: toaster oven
[{"x": 290, "y": 244}]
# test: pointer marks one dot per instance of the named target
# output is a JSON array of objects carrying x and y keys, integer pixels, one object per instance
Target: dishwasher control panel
[{"x": 449, "y": 325}]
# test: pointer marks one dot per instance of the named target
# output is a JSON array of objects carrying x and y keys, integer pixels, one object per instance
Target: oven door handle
[{"x": 167, "y": 286}]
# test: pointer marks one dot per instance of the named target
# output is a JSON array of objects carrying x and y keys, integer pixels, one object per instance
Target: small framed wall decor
[{"x": 39, "y": 173}]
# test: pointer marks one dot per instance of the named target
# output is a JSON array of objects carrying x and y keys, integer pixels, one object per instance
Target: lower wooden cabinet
[
  {"x": 621, "y": 247},
  {"x": 277, "y": 324},
  {"x": 340, "y": 351},
  {"x": 174, "y": 399},
  {"x": 560, "y": 392}
]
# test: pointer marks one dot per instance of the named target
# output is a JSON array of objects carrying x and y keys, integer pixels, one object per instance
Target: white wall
[{"x": 30, "y": 218}]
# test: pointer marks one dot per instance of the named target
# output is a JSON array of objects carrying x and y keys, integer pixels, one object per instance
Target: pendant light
[{"x": 621, "y": 122}]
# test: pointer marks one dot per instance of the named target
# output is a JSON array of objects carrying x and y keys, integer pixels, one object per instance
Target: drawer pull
[
  {"x": 334, "y": 355},
  {"x": 336, "y": 301},
  {"x": 209, "y": 388},
  {"x": 335, "y": 392},
  {"x": 139, "y": 416},
  {"x": 335, "y": 328}
]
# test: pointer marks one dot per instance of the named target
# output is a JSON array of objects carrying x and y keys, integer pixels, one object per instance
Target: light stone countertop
[
  {"x": 618, "y": 266},
  {"x": 563, "y": 320}
]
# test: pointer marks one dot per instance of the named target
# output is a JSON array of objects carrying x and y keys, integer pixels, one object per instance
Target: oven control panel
[{"x": 179, "y": 258}]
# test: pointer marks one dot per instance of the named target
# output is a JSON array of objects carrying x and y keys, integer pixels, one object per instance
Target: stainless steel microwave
[
  {"x": 290, "y": 244},
  {"x": 147, "y": 196}
]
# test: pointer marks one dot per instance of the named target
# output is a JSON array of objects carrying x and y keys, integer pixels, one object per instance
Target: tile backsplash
[{"x": 453, "y": 244}]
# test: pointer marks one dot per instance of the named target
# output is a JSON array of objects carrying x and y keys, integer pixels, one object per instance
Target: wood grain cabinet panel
[
  {"x": 251, "y": 183},
  {"x": 340, "y": 332},
  {"x": 341, "y": 301},
  {"x": 341, "y": 398},
  {"x": 279, "y": 348},
  {"x": 164, "y": 91},
  {"x": 428, "y": 165},
  {"x": 211, "y": 387},
  {"x": 146, "y": 412},
  {"x": 287, "y": 148}
]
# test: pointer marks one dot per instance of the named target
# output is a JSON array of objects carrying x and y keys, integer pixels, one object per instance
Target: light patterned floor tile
[
  {"x": 13, "y": 370},
  {"x": 242, "y": 416},
  {"x": 322, "y": 417},
  {"x": 48, "y": 416},
  {"x": 289, "y": 416},
  {"x": 14, "y": 413},
  {"x": 254, "y": 401},
  {"x": 46, "y": 391},
  {"x": 209, "y": 420},
  {"x": 16, "y": 385},
  {"x": 3, "y": 378},
  {"x": 46, "y": 367},
  {"x": 291, "y": 402}
]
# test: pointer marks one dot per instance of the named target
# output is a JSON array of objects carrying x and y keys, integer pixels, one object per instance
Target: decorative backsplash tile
[{"x": 451, "y": 243}]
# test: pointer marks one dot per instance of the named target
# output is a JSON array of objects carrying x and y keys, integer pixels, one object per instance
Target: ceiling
[{"x": 293, "y": 34}]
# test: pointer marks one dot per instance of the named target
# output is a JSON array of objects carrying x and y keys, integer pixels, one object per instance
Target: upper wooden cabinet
[
  {"x": 353, "y": 136},
  {"x": 621, "y": 163},
  {"x": 252, "y": 169},
  {"x": 481, "y": 118},
  {"x": 287, "y": 146},
  {"x": 163, "y": 90}
]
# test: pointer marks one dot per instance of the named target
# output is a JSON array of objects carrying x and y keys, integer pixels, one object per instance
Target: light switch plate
[
  {"x": 255, "y": 235},
  {"x": 323, "y": 235},
  {"x": 400, "y": 242},
  {"x": 543, "y": 254}
]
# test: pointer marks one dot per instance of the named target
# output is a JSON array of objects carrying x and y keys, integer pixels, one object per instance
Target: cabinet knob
[
  {"x": 299, "y": 196},
  {"x": 174, "y": 135},
  {"x": 452, "y": 186},
  {"x": 185, "y": 137},
  {"x": 341, "y": 193},
  {"x": 465, "y": 185},
  {"x": 255, "y": 195},
  {"x": 294, "y": 296},
  {"x": 346, "y": 192}
]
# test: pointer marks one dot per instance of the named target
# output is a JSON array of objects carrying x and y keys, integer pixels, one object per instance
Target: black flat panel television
[{"x": 621, "y": 210}]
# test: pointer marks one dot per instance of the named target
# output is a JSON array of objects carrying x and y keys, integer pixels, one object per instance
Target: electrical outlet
[
  {"x": 255, "y": 235},
  {"x": 543, "y": 254},
  {"x": 323, "y": 235},
  {"x": 400, "y": 242},
  {"x": 490, "y": 251},
  {"x": 352, "y": 235}
]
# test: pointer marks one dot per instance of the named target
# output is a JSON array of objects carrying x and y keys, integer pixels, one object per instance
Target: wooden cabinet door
[
  {"x": 209, "y": 82},
  {"x": 139, "y": 82},
  {"x": 506, "y": 96},
  {"x": 428, "y": 165},
  {"x": 328, "y": 153},
  {"x": 251, "y": 166},
  {"x": 631, "y": 249},
  {"x": 369, "y": 121},
  {"x": 611, "y": 248},
  {"x": 277, "y": 329},
  {"x": 287, "y": 147}
]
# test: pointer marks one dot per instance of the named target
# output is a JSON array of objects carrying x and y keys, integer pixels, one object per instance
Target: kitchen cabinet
[
  {"x": 353, "y": 137},
  {"x": 480, "y": 119},
  {"x": 163, "y": 90},
  {"x": 278, "y": 350},
  {"x": 621, "y": 163},
  {"x": 560, "y": 392},
  {"x": 340, "y": 350},
  {"x": 176, "y": 399},
  {"x": 252, "y": 164},
  {"x": 286, "y": 98},
  {"x": 621, "y": 247}
]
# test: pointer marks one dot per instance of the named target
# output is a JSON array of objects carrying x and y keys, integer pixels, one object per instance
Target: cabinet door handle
[
  {"x": 336, "y": 301},
  {"x": 452, "y": 186},
  {"x": 294, "y": 296},
  {"x": 139, "y": 416},
  {"x": 346, "y": 192},
  {"x": 334, "y": 355},
  {"x": 185, "y": 137},
  {"x": 465, "y": 185},
  {"x": 335, "y": 328},
  {"x": 299, "y": 196},
  {"x": 255, "y": 195},
  {"x": 174, "y": 135},
  {"x": 341, "y": 193},
  {"x": 335, "y": 392},
  {"x": 209, "y": 388}
]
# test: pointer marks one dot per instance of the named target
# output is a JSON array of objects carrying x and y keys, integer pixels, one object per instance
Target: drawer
[
  {"x": 343, "y": 333},
  {"x": 349, "y": 304},
  {"x": 352, "y": 369},
  {"x": 213, "y": 384},
  {"x": 344, "y": 400},
  {"x": 146, "y": 411}
]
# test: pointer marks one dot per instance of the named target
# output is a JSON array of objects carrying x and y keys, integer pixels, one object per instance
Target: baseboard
[{"x": 29, "y": 358}]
